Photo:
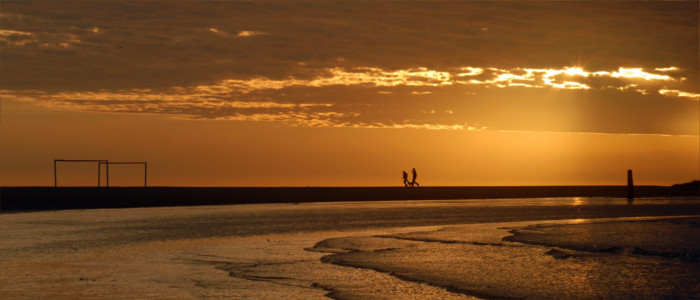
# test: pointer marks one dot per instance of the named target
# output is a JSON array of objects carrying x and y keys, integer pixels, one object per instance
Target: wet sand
[
  {"x": 397, "y": 250},
  {"x": 622, "y": 258}
]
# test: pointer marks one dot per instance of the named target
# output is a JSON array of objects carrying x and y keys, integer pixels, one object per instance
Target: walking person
[
  {"x": 414, "y": 177},
  {"x": 405, "y": 179}
]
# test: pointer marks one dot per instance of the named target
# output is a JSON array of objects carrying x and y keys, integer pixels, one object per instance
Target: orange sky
[{"x": 311, "y": 93}]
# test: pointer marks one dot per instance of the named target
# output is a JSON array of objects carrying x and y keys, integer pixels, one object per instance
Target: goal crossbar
[
  {"x": 145, "y": 168},
  {"x": 100, "y": 162}
]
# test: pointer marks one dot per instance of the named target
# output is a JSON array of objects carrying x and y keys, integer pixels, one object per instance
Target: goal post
[
  {"x": 100, "y": 162},
  {"x": 145, "y": 168}
]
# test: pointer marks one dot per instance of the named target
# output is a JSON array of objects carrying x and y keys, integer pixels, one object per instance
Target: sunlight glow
[
  {"x": 426, "y": 126},
  {"x": 570, "y": 85},
  {"x": 575, "y": 72},
  {"x": 677, "y": 93},
  {"x": 470, "y": 71},
  {"x": 667, "y": 69},
  {"x": 638, "y": 73},
  {"x": 247, "y": 33}
]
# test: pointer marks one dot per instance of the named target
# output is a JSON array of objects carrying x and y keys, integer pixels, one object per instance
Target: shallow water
[
  {"x": 561, "y": 248},
  {"x": 475, "y": 260}
]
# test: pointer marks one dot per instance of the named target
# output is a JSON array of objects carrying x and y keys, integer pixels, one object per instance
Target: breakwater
[{"x": 36, "y": 198}]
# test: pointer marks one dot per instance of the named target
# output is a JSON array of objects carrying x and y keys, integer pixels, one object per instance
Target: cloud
[
  {"x": 164, "y": 45},
  {"x": 247, "y": 33},
  {"x": 677, "y": 93},
  {"x": 240, "y": 34},
  {"x": 13, "y": 33},
  {"x": 371, "y": 97},
  {"x": 639, "y": 73},
  {"x": 15, "y": 38},
  {"x": 564, "y": 78},
  {"x": 504, "y": 66},
  {"x": 22, "y": 39},
  {"x": 669, "y": 69}
]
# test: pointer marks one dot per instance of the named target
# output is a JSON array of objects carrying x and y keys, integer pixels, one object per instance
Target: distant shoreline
[{"x": 56, "y": 198}]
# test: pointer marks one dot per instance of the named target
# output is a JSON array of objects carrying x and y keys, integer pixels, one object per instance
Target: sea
[{"x": 540, "y": 248}]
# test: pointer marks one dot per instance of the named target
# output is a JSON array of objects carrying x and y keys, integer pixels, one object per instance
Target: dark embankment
[{"x": 32, "y": 198}]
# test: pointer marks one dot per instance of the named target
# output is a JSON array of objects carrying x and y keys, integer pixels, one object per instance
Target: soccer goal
[
  {"x": 145, "y": 168},
  {"x": 99, "y": 163}
]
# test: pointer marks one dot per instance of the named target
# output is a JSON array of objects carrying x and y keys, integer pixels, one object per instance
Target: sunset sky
[{"x": 350, "y": 93}]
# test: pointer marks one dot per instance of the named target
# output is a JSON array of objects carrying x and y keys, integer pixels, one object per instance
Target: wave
[
  {"x": 673, "y": 238},
  {"x": 471, "y": 262}
]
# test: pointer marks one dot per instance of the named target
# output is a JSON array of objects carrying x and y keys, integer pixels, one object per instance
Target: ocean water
[{"x": 561, "y": 248}]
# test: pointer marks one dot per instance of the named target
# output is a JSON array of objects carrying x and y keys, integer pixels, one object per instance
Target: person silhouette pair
[{"x": 411, "y": 183}]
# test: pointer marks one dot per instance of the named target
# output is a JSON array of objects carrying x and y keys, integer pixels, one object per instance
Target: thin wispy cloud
[{"x": 239, "y": 34}]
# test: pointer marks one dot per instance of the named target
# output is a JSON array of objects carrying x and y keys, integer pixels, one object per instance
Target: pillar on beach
[{"x": 630, "y": 186}]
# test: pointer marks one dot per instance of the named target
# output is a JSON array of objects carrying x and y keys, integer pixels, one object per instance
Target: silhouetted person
[
  {"x": 405, "y": 179},
  {"x": 413, "y": 182}
]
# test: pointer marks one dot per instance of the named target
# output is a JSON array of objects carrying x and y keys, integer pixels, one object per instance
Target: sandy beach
[{"x": 457, "y": 249}]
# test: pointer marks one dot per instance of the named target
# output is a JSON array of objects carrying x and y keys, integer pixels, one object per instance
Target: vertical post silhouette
[
  {"x": 630, "y": 186},
  {"x": 145, "y": 168},
  {"x": 98, "y": 161}
]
